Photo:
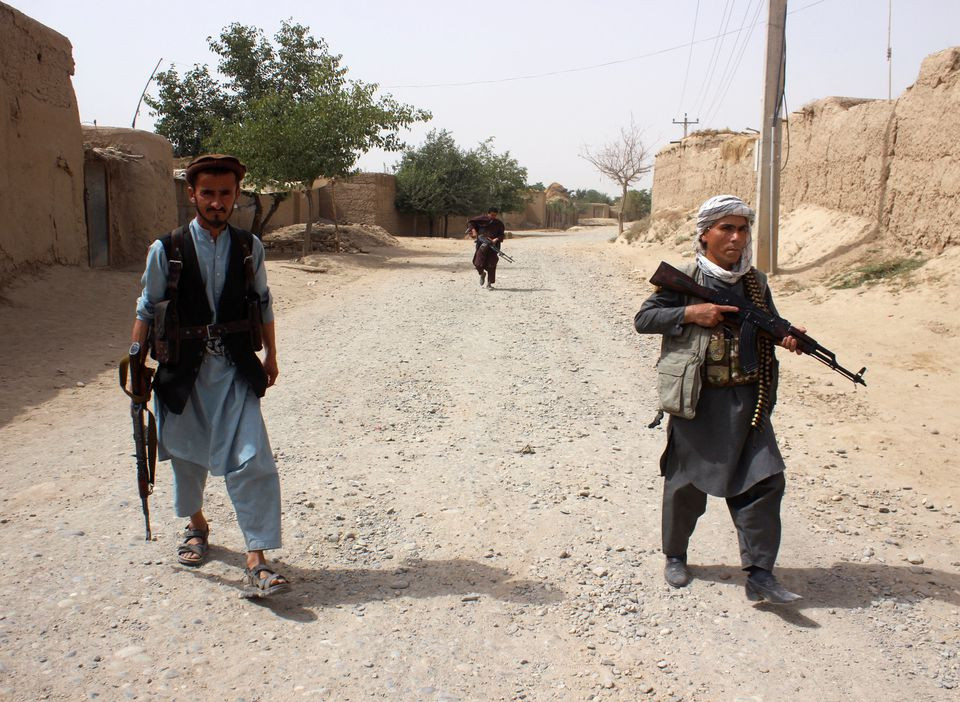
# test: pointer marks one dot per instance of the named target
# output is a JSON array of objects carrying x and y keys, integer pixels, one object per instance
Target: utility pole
[
  {"x": 133, "y": 124},
  {"x": 685, "y": 123},
  {"x": 889, "y": 52},
  {"x": 768, "y": 176}
]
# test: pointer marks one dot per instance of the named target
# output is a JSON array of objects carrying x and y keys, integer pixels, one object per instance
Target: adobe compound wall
[
  {"x": 41, "y": 148},
  {"x": 365, "y": 198},
  {"x": 142, "y": 204},
  {"x": 896, "y": 164}
]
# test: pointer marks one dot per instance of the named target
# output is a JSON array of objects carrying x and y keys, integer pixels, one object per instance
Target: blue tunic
[{"x": 221, "y": 426}]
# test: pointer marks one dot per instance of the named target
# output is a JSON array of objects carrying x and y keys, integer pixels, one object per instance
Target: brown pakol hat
[{"x": 211, "y": 162}]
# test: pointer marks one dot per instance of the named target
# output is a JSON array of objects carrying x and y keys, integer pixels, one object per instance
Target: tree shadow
[
  {"x": 846, "y": 585},
  {"x": 415, "y": 578}
]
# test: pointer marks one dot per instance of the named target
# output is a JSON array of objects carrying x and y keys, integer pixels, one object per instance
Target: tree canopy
[
  {"x": 285, "y": 108},
  {"x": 439, "y": 178},
  {"x": 638, "y": 205},
  {"x": 584, "y": 195}
]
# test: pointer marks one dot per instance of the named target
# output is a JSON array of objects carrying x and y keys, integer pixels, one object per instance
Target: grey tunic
[{"x": 717, "y": 450}]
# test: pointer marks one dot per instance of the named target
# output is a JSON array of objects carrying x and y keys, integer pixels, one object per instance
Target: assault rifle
[
  {"x": 752, "y": 319},
  {"x": 496, "y": 249},
  {"x": 144, "y": 433}
]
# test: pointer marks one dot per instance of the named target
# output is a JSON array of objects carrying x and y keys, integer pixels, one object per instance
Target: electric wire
[
  {"x": 726, "y": 72},
  {"x": 718, "y": 102},
  {"x": 579, "y": 69},
  {"x": 714, "y": 54},
  {"x": 686, "y": 75}
]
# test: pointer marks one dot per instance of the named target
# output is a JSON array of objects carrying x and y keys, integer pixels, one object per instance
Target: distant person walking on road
[
  {"x": 206, "y": 301},
  {"x": 488, "y": 231},
  {"x": 719, "y": 437}
]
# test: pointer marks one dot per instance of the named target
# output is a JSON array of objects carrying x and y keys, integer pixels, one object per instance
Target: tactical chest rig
[{"x": 183, "y": 322}]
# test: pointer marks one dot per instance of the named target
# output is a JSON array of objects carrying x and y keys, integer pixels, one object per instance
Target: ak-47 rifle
[
  {"x": 493, "y": 247},
  {"x": 752, "y": 319},
  {"x": 144, "y": 433}
]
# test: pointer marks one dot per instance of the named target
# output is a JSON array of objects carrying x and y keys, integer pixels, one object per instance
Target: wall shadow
[
  {"x": 63, "y": 326},
  {"x": 420, "y": 579}
]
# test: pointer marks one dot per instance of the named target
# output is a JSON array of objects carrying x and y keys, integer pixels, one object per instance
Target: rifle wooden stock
[{"x": 752, "y": 320}]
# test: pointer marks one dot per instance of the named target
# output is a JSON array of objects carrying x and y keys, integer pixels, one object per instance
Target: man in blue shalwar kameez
[{"x": 209, "y": 386}]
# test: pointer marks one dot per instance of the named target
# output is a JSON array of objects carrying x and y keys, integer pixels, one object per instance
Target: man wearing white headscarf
[{"x": 719, "y": 437}]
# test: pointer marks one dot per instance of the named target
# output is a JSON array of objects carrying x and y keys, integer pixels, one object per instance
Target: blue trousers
[{"x": 254, "y": 489}]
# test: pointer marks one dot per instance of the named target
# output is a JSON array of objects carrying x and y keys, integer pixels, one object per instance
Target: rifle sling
[{"x": 142, "y": 401}]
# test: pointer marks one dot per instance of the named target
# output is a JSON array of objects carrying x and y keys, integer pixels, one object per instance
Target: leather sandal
[
  {"x": 255, "y": 586},
  {"x": 199, "y": 550}
]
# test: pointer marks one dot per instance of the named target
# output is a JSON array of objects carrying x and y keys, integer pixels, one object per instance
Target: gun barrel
[{"x": 146, "y": 519}]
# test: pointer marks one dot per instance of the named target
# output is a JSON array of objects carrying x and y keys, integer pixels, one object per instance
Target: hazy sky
[{"x": 834, "y": 47}]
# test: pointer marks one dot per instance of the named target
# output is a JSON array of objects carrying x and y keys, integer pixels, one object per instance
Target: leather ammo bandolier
[{"x": 183, "y": 321}]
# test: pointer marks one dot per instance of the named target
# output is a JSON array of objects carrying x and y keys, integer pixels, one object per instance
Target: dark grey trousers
[{"x": 755, "y": 514}]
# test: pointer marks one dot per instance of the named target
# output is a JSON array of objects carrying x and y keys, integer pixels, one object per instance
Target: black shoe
[
  {"x": 763, "y": 586},
  {"x": 676, "y": 573}
]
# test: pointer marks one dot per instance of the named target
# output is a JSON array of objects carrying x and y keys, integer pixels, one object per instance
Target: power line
[
  {"x": 725, "y": 73},
  {"x": 719, "y": 97},
  {"x": 714, "y": 54},
  {"x": 693, "y": 35},
  {"x": 546, "y": 74}
]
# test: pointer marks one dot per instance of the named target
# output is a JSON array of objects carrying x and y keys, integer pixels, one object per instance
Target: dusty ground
[{"x": 471, "y": 497}]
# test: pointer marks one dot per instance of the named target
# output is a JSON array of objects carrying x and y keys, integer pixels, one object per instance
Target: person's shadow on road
[
  {"x": 846, "y": 585},
  {"x": 421, "y": 579}
]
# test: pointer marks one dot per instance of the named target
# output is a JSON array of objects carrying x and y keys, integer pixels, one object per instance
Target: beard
[{"x": 213, "y": 217}]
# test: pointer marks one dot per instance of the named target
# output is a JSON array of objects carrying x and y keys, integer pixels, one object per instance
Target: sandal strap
[
  {"x": 264, "y": 583},
  {"x": 189, "y": 533},
  {"x": 198, "y": 549}
]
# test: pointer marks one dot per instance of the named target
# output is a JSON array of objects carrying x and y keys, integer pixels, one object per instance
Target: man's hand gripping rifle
[
  {"x": 493, "y": 247},
  {"x": 751, "y": 319},
  {"x": 144, "y": 432}
]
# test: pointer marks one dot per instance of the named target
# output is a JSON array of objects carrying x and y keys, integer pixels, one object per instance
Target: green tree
[
  {"x": 439, "y": 179},
  {"x": 502, "y": 180},
  {"x": 431, "y": 178},
  {"x": 288, "y": 111},
  {"x": 581, "y": 196},
  {"x": 296, "y": 140},
  {"x": 638, "y": 205},
  {"x": 188, "y": 108}
]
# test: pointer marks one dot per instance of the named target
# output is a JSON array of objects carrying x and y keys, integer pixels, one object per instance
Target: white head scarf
[{"x": 715, "y": 208}]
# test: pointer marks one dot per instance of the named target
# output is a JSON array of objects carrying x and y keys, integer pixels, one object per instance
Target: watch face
[{"x": 134, "y": 348}]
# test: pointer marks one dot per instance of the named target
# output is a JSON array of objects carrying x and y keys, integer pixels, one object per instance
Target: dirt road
[{"x": 471, "y": 508}]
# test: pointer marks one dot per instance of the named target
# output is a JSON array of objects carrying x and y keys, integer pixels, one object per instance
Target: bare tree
[{"x": 622, "y": 161}]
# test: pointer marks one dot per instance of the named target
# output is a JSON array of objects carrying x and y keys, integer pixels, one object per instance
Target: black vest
[{"x": 174, "y": 381}]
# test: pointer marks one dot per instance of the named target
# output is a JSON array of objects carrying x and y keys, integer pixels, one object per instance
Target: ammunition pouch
[
  {"x": 722, "y": 366},
  {"x": 254, "y": 311},
  {"x": 165, "y": 333},
  {"x": 165, "y": 336}
]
